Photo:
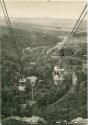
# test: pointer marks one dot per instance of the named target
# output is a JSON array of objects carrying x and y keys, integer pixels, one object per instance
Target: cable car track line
[
  {"x": 75, "y": 26},
  {"x": 78, "y": 25},
  {"x": 7, "y": 18},
  {"x": 11, "y": 32}
]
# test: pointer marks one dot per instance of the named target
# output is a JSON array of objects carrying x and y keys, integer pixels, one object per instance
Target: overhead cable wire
[
  {"x": 78, "y": 26},
  {"x": 11, "y": 31},
  {"x": 81, "y": 21},
  {"x": 74, "y": 27},
  {"x": 7, "y": 22},
  {"x": 9, "y": 26},
  {"x": 4, "y": 15}
]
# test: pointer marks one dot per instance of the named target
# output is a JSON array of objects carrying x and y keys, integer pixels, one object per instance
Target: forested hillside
[{"x": 52, "y": 102}]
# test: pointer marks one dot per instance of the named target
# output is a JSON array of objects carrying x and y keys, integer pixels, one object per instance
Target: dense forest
[{"x": 51, "y": 102}]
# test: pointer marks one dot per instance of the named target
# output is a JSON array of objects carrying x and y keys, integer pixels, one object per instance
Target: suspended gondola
[
  {"x": 22, "y": 84},
  {"x": 58, "y": 73}
]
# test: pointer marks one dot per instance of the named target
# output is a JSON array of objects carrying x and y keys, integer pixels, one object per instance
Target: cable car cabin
[
  {"x": 58, "y": 75},
  {"x": 22, "y": 85},
  {"x": 32, "y": 80}
]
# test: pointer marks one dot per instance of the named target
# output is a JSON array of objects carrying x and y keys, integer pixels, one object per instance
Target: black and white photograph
[{"x": 43, "y": 62}]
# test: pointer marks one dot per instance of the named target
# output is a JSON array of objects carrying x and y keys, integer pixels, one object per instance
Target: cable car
[
  {"x": 22, "y": 85},
  {"x": 58, "y": 75},
  {"x": 32, "y": 80}
]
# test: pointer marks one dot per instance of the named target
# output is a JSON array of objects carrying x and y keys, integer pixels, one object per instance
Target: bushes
[
  {"x": 11, "y": 102},
  {"x": 52, "y": 102},
  {"x": 55, "y": 93},
  {"x": 13, "y": 122},
  {"x": 72, "y": 105}
]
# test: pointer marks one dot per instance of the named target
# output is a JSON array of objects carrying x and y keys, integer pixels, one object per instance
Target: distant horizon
[{"x": 2, "y": 17}]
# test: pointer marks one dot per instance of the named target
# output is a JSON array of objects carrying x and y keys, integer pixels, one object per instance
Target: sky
[{"x": 42, "y": 9}]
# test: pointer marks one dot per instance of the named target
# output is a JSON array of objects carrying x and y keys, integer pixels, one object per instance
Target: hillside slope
[{"x": 52, "y": 102}]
